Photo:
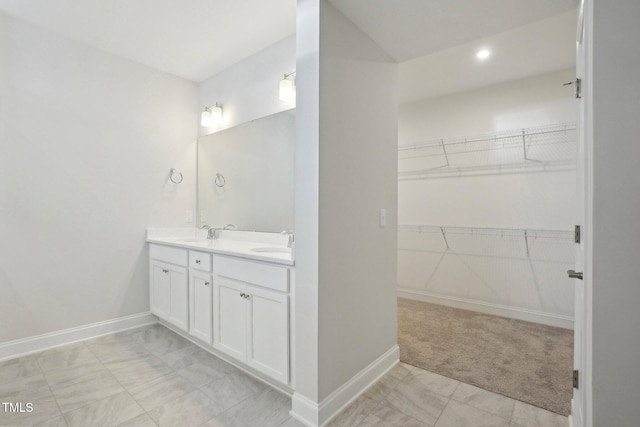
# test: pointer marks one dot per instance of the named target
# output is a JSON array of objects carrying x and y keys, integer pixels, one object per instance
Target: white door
[
  {"x": 580, "y": 405},
  {"x": 230, "y": 322},
  {"x": 179, "y": 314},
  {"x": 160, "y": 290},
  {"x": 200, "y": 300},
  {"x": 269, "y": 333}
]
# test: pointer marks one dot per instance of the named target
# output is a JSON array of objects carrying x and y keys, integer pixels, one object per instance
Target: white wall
[
  {"x": 357, "y": 310},
  {"x": 346, "y": 171},
  {"x": 497, "y": 200},
  {"x": 526, "y": 102},
  {"x": 306, "y": 203},
  {"x": 491, "y": 270},
  {"x": 250, "y": 89},
  {"x": 358, "y": 167},
  {"x": 616, "y": 208},
  {"x": 87, "y": 141}
]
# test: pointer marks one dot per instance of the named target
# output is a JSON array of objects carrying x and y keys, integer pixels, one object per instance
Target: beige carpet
[{"x": 525, "y": 361}]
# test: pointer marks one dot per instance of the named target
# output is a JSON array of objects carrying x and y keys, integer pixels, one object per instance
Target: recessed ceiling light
[{"x": 483, "y": 54}]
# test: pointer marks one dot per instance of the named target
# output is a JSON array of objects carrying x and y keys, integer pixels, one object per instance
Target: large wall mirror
[{"x": 245, "y": 175}]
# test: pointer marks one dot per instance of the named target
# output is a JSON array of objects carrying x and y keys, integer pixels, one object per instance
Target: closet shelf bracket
[{"x": 444, "y": 237}]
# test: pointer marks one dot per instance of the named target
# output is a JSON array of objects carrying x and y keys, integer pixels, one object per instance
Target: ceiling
[
  {"x": 196, "y": 39},
  {"x": 435, "y": 41},
  {"x": 408, "y": 29},
  {"x": 541, "y": 47}
]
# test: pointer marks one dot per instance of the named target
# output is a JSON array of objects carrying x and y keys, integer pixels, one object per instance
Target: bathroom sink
[{"x": 273, "y": 250}]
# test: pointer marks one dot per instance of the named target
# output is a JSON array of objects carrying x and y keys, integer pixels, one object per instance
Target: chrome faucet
[
  {"x": 212, "y": 233},
  {"x": 291, "y": 237}
]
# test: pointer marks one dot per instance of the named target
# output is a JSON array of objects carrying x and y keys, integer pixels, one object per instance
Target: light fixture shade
[
  {"x": 287, "y": 90},
  {"x": 205, "y": 118},
  {"x": 216, "y": 113}
]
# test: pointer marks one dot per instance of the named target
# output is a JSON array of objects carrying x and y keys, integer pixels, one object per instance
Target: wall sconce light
[
  {"x": 211, "y": 116},
  {"x": 288, "y": 87}
]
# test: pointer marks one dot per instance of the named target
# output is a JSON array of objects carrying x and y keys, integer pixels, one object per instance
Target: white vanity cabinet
[
  {"x": 200, "y": 295},
  {"x": 235, "y": 306},
  {"x": 251, "y": 306},
  {"x": 169, "y": 290}
]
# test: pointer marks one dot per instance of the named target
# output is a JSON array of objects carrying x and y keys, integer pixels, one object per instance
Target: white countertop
[{"x": 244, "y": 244}]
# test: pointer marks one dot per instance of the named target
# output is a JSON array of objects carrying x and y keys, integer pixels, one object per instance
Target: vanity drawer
[
  {"x": 200, "y": 260},
  {"x": 255, "y": 273},
  {"x": 168, "y": 254}
]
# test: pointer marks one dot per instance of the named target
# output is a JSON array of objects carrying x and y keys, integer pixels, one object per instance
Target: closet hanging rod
[
  {"x": 527, "y": 235},
  {"x": 443, "y": 171},
  {"x": 487, "y": 231},
  {"x": 515, "y": 145},
  {"x": 498, "y": 136}
]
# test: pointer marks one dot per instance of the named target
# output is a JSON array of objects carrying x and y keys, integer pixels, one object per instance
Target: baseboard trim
[
  {"x": 25, "y": 346},
  {"x": 304, "y": 410},
  {"x": 551, "y": 319},
  {"x": 319, "y": 414},
  {"x": 575, "y": 419}
]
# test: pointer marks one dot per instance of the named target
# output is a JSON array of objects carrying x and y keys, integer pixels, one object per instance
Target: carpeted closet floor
[{"x": 526, "y": 361}]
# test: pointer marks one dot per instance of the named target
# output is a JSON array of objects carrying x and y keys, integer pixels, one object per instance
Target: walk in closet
[
  {"x": 487, "y": 148},
  {"x": 487, "y": 203},
  {"x": 485, "y": 220}
]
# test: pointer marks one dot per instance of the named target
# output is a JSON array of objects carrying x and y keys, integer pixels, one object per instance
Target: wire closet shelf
[
  {"x": 527, "y": 235},
  {"x": 548, "y": 147}
]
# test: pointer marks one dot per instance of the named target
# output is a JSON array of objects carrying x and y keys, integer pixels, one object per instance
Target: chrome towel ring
[
  {"x": 172, "y": 174},
  {"x": 220, "y": 181}
]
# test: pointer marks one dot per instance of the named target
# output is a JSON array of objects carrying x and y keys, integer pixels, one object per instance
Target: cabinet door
[
  {"x": 160, "y": 291},
  {"x": 269, "y": 333},
  {"x": 230, "y": 321},
  {"x": 179, "y": 314},
  {"x": 200, "y": 296}
]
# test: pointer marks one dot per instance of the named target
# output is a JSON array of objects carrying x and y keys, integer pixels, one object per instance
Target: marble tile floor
[{"x": 151, "y": 376}]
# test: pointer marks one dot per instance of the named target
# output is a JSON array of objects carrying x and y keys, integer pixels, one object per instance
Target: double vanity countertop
[{"x": 261, "y": 246}]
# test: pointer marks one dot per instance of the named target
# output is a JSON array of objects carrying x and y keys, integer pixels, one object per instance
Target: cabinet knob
[
  {"x": 206, "y": 283},
  {"x": 241, "y": 295},
  {"x": 247, "y": 296},
  {"x": 197, "y": 261},
  {"x": 165, "y": 270}
]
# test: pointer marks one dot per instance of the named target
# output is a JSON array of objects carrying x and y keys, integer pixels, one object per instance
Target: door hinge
[
  {"x": 576, "y": 378},
  {"x": 578, "y": 84},
  {"x": 575, "y": 274},
  {"x": 576, "y": 234}
]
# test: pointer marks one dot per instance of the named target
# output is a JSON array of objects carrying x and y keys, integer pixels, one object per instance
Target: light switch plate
[{"x": 383, "y": 218}]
